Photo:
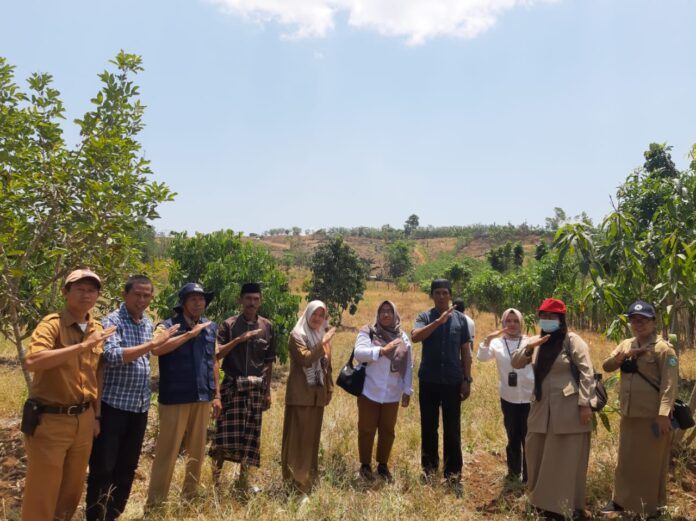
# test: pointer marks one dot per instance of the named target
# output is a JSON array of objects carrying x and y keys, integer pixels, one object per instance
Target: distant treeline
[{"x": 493, "y": 232}]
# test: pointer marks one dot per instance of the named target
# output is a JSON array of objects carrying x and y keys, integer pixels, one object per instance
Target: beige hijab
[{"x": 311, "y": 338}]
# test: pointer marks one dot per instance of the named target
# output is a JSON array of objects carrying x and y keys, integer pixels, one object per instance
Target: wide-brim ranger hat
[
  {"x": 80, "y": 274},
  {"x": 187, "y": 289},
  {"x": 641, "y": 308},
  {"x": 553, "y": 305}
]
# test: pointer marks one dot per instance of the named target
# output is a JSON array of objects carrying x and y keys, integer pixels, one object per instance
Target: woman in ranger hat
[
  {"x": 558, "y": 429},
  {"x": 649, "y": 382}
]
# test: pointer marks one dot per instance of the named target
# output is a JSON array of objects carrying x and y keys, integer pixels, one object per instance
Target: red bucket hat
[{"x": 553, "y": 305}]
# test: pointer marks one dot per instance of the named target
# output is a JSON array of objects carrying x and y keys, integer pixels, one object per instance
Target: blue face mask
[{"x": 549, "y": 325}]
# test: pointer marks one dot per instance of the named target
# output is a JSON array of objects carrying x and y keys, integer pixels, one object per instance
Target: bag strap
[
  {"x": 652, "y": 384},
  {"x": 573, "y": 368}
]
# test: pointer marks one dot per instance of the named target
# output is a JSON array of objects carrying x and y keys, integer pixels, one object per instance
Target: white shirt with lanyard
[{"x": 501, "y": 349}]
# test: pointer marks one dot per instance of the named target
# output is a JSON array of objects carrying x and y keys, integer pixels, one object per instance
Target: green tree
[
  {"x": 63, "y": 207},
  {"x": 518, "y": 255},
  {"x": 459, "y": 275},
  {"x": 558, "y": 219},
  {"x": 541, "y": 250},
  {"x": 221, "y": 262},
  {"x": 496, "y": 258},
  {"x": 398, "y": 259},
  {"x": 339, "y": 278},
  {"x": 411, "y": 225},
  {"x": 658, "y": 161}
]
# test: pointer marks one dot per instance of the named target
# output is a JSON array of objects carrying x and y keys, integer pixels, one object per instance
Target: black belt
[{"x": 71, "y": 410}]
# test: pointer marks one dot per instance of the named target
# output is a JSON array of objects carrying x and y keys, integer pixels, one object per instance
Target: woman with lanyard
[{"x": 516, "y": 387}]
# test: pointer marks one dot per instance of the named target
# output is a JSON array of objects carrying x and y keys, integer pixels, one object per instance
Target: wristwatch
[{"x": 468, "y": 379}]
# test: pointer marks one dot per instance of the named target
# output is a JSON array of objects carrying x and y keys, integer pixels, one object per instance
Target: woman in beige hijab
[{"x": 309, "y": 390}]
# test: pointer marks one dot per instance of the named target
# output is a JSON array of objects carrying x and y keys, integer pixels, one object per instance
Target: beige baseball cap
[{"x": 82, "y": 274}]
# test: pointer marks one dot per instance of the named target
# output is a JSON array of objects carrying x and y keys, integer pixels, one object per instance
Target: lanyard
[{"x": 508, "y": 347}]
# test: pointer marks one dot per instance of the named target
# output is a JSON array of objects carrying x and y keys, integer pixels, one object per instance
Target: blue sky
[{"x": 318, "y": 113}]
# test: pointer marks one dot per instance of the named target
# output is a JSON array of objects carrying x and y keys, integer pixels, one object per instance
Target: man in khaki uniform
[
  {"x": 649, "y": 381},
  {"x": 64, "y": 355}
]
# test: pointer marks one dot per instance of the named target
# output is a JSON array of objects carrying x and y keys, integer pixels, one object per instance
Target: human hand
[
  {"x": 493, "y": 335},
  {"x": 391, "y": 346},
  {"x": 585, "y": 414},
  {"x": 445, "y": 315},
  {"x": 217, "y": 407},
  {"x": 266, "y": 402},
  {"x": 405, "y": 400},
  {"x": 250, "y": 334},
  {"x": 96, "y": 337},
  {"x": 464, "y": 391},
  {"x": 328, "y": 335},
  {"x": 196, "y": 330},
  {"x": 165, "y": 335},
  {"x": 539, "y": 341},
  {"x": 96, "y": 431},
  {"x": 664, "y": 424}
]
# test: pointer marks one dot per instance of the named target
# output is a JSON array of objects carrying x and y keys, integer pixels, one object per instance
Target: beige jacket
[
  {"x": 638, "y": 399},
  {"x": 557, "y": 411},
  {"x": 299, "y": 392}
]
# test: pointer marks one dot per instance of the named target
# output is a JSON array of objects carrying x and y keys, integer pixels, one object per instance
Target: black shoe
[
  {"x": 611, "y": 507},
  {"x": 384, "y": 473},
  {"x": 366, "y": 472}
]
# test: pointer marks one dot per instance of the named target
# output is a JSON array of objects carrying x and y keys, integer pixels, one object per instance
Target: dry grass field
[{"x": 340, "y": 495}]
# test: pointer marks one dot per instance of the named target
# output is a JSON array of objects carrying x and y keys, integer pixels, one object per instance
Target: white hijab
[{"x": 311, "y": 338}]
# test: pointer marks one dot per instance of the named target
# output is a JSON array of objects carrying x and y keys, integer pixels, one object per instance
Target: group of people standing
[{"x": 91, "y": 393}]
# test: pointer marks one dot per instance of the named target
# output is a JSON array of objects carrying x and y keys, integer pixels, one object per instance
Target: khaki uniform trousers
[
  {"x": 374, "y": 416},
  {"x": 187, "y": 423},
  {"x": 640, "y": 481},
  {"x": 57, "y": 455}
]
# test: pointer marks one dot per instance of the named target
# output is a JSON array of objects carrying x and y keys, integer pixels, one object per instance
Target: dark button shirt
[
  {"x": 250, "y": 357},
  {"x": 441, "y": 362}
]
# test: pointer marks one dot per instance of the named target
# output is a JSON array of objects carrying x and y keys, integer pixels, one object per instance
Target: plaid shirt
[{"x": 126, "y": 386}]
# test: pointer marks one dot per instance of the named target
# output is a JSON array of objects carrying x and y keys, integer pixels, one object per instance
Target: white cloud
[{"x": 415, "y": 20}]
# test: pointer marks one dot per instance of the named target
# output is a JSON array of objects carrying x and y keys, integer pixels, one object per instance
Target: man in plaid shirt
[{"x": 125, "y": 401}]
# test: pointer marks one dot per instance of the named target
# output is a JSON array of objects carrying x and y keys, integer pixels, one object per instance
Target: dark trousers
[
  {"x": 430, "y": 398},
  {"x": 113, "y": 462},
  {"x": 515, "y": 420}
]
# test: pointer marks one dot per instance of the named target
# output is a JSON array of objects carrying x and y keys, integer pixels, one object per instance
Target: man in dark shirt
[
  {"x": 444, "y": 378},
  {"x": 246, "y": 346}
]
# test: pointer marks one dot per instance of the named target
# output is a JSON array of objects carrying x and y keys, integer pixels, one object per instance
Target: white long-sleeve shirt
[
  {"x": 381, "y": 384},
  {"x": 497, "y": 349}
]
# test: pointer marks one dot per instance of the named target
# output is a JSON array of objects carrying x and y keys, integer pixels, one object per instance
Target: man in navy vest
[{"x": 189, "y": 384}]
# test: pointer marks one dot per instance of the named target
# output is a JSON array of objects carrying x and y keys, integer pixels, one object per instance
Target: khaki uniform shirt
[
  {"x": 639, "y": 399},
  {"x": 299, "y": 392},
  {"x": 75, "y": 380},
  {"x": 558, "y": 410}
]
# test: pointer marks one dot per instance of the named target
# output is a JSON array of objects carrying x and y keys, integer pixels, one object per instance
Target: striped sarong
[{"x": 238, "y": 428}]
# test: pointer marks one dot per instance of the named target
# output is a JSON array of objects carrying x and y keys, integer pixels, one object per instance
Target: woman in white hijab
[
  {"x": 309, "y": 389},
  {"x": 516, "y": 387}
]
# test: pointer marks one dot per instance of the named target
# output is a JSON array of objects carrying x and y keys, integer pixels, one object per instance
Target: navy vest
[{"x": 186, "y": 374}]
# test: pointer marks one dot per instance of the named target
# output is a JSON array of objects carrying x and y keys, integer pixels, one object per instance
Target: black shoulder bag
[
  {"x": 600, "y": 390},
  {"x": 681, "y": 412},
  {"x": 352, "y": 379}
]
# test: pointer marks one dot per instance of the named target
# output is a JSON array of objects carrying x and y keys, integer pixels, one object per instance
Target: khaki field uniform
[
  {"x": 557, "y": 444},
  {"x": 304, "y": 412},
  {"x": 59, "y": 449},
  {"x": 640, "y": 480}
]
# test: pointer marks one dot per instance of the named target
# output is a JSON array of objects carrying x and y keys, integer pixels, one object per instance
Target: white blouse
[
  {"x": 522, "y": 393},
  {"x": 381, "y": 384}
]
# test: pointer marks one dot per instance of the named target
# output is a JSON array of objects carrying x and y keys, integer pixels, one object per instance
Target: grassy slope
[{"x": 340, "y": 495}]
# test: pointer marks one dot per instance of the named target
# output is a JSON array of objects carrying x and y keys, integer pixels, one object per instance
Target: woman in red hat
[{"x": 559, "y": 425}]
